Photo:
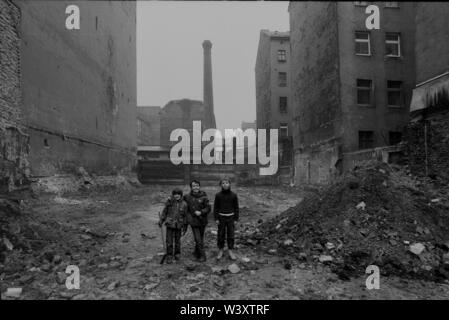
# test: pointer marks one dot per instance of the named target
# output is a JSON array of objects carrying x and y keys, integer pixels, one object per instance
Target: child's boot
[
  {"x": 177, "y": 257},
  {"x": 232, "y": 255},
  {"x": 169, "y": 259},
  {"x": 202, "y": 256},
  {"x": 220, "y": 254}
]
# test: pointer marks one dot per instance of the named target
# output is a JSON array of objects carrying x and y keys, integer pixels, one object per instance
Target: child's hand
[
  {"x": 217, "y": 222},
  {"x": 160, "y": 223},
  {"x": 198, "y": 213}
]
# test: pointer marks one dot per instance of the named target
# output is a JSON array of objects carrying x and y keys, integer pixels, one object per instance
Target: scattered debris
[
  {"x": 361, "y": 205},
  {"x": 417, "y": 248},
  {"x": 324, "y": 258},
  {"x": 13, "y": 292},
  {"x": 8, "y": 244},
  {"x": 233, "y": 268},
  {"x": 113, "y": 285},
  {"x": 337, "y": 219}
]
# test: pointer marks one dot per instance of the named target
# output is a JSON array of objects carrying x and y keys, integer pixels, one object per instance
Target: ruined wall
[
  {"x": 150, "y": 134},
  {"x": 79, "y": 86},
  {"x": 14, "y": 146},
  {"x": 315, "y": 85},
  {"x": 379, "y": 117},
  {"x": 428, "y": 146},
  {"x": 432, "y": 39},
  {"x": 428, "y": 137}
]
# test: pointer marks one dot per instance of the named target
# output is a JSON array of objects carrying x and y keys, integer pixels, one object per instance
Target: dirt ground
[{"x": 113, "y": 237}]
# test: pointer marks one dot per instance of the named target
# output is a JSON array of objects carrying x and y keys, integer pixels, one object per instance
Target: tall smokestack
[{"x": 208, "y": 97}]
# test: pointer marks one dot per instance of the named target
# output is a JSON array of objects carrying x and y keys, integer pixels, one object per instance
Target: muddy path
[{"x": 113, "y": 237}]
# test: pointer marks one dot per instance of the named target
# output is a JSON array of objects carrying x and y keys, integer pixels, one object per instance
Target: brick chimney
[{"x": 208, "y": 96}]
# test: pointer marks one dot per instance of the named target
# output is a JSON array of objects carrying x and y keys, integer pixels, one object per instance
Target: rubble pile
[{"x": 374, "y": 215}]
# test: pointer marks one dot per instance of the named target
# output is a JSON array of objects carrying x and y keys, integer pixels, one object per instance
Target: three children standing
[{"x": 193, "y": 210}]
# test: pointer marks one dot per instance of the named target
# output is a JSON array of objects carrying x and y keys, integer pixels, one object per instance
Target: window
[
  {"x": 283, "y": 130},
  {"x": 364, "y": 89},
  {"x": 394, "y": 93},
  {"x": 366, "y": 139},
  {"x": 139, "y": 126},
  {"x": 392, "y": 4},
  {"x": 361, "y": 3},
  {"x": 282, "y": 56},
  {"x": 392, "y": 44},
  {"x": 283, "y": 105},
  {"x": 394, "y": 137},
  {"x": 362, "y": 43},
  {"x": 282, "y": 76}
]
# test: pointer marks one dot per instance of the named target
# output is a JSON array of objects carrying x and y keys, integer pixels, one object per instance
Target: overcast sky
[{"x": 170, "y": 53}]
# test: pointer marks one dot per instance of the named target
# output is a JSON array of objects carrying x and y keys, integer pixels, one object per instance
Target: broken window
[
  {"x": 392, "y": 44},
  {"x": 282, "y": 56},
  {"x": 364, "y": 89},
  {"x": 394, "y": 93},
  {"x": 362, "y": 43},
  {"x": 283, "y": 130},
  {"x": 283, "y": 108},
  {"x": 394, "y": 137},
  {"x": 282, "y": 76},
  {"x": 366, "y": 139}
]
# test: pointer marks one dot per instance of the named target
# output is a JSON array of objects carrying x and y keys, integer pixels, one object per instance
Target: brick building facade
[
  {"x": 14, "y": 147},
  {"x": 351, "y": 87}
]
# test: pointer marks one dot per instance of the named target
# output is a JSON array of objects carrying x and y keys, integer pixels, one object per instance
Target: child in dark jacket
[
  {"x": 174, "y": 217},
  {"x": 226, "y": 213}
]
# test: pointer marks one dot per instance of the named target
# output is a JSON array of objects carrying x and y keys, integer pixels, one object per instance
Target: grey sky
[{"x": 170, "y": 55}]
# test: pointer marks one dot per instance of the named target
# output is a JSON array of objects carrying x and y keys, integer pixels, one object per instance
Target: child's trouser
[
  {"x": 198, "y": 236},
  {"x": 173, "y": 236},
  {"x": 225, "y": 232}
]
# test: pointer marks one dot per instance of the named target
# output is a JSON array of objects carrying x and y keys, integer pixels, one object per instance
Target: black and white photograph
[{"x": 203, "y": 152}]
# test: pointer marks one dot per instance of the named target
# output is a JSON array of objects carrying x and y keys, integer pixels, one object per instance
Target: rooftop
[{"x": 276, "y": 34}]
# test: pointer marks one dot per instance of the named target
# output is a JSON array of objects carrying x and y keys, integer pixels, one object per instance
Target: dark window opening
[
  {"x": 283, "y": 108},
  {"x": 394, "y": 137},
  {"x": 366, "y": 139},
  {"x": 282, "y": 56},
  {"x": 392, "y": 44},
  {"x": 394, "y": 93},
  {"x": 362, "y": 43},
  {"x": 283, "y": 130},
  {"x": 364, "y": 89},
  {"x": 282, "y": 79}
]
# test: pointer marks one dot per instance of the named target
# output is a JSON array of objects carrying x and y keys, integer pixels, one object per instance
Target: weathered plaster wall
[{"x": 79, "y": 86}]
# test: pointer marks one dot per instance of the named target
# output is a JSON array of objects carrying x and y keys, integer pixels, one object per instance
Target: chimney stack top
[{"x": 207, "y": 44}]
